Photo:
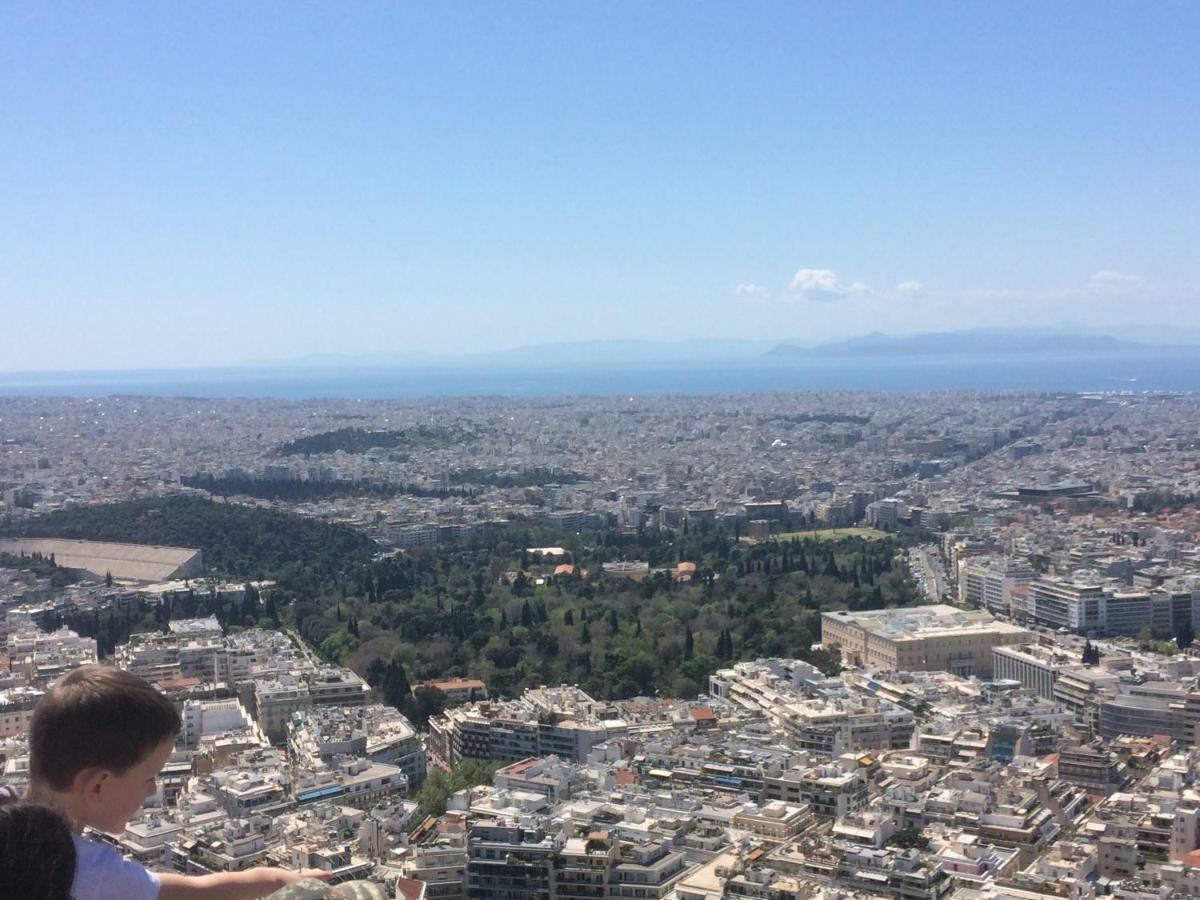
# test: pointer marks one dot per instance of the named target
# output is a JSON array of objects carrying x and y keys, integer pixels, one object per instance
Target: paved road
[{"x": 927, "y": 567}]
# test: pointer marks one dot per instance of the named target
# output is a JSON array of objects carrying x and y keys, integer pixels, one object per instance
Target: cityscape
[
  {"x": 998, "y": 695},
  {"x": 599, "y": 451}
]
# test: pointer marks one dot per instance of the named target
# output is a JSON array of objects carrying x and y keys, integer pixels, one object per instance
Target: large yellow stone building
[{"x": 920, "y": 638}]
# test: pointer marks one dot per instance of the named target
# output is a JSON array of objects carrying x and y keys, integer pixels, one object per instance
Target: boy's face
[{"x": 115, "y": 799}]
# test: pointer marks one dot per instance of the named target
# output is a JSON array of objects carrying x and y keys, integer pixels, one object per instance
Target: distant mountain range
[
  {"x": 1144, "y": 341},
  {"x": 981, "y": 343},
  {"x": 1064, "y": 340}
]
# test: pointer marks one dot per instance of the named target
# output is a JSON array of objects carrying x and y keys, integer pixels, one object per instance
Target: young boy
[
  {"x": 96, "y": 744},
  {"x": 37, "y": 855}
]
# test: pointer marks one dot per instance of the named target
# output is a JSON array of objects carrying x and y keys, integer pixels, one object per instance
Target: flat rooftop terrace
[{"x": 918, "y": 622}]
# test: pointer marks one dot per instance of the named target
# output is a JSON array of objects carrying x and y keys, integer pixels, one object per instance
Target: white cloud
[
  {"x": 910, "y": 288},
  {"x": 823, "y": 284},
  {"x": 1109, "y": 279},
  {"x": 750, "y": 291}
]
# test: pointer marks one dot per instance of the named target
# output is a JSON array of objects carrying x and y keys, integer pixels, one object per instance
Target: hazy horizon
[{"x": 619, "y": 354}]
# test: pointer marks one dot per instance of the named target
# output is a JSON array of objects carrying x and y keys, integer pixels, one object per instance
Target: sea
[{"x": 1171, "y": 370}]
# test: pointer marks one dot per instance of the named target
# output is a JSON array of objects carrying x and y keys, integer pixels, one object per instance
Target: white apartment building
[
  {"x": 1035, "y": 666},
  {"x": 988, "y": 582},
  {"x": 1099, "y": 610}
]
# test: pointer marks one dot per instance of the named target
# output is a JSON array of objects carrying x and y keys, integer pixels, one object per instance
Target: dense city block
[{"x": 824, "y": 646}]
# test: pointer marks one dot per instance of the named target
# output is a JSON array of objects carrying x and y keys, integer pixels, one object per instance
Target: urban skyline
[{"x": 663, "y": 451}]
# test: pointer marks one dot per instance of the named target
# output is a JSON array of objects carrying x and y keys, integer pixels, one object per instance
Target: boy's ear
[{"x": 89, "y": 784}]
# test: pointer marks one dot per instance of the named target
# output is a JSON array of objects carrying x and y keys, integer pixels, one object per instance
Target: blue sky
[{"x": 205, "y": 184}]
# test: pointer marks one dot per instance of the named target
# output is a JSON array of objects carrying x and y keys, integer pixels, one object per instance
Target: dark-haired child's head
[
  {"x": 97, "y": 742},
  {"x": 37, "y": 853}
]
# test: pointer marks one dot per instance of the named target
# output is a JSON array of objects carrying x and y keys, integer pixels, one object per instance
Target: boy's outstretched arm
[{"x": 248, "y": 885}]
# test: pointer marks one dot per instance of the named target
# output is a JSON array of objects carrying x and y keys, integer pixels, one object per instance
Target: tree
[
  {"x": 1185, "y": 635},
  {"x": 827, "y": 659},
  {"x": 428, "y": 702},
  {"x": 439, "y": 786},
  {"x": 693, "y": 676},
  {"x": 250, "y": 605},
  {"x": 338, "y": 646},
  {"x": 108, "y": 579},
  {"x": 271, "y": 609},
  {"x": 689, "y": 644},
  {"x": 568, "y": 617},
  {"x": 910, "y": 838},
  {"x": 435, "y": 791},
  {"x": 376, "y": 669},
  {"x": 724, "y": 649},
  {"x": 395, "y": 683}
]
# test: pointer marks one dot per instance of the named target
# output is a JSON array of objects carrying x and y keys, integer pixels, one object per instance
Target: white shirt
[{"x": 101, "y": 873}]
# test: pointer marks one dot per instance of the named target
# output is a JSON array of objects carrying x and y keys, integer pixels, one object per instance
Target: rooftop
[{"x": 923, "y": 621}]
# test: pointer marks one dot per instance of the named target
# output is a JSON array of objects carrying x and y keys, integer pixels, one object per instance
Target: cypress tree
[{"x": 395, "y": 683}]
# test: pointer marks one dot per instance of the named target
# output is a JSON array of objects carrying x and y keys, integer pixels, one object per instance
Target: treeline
[
  {"x": 113, "y": 625},
  {"x": 41, "y": 566},
  {"x": 290, "y": 489},
  {"x": 450, "y": 612},
  {"x": 535, "y": 477},
  {"x": 360, "y": 440},
  {"x": 238, "y": 541},
  {"x": 1159, "y": 500},
  {"x": 297, "y": 491}
]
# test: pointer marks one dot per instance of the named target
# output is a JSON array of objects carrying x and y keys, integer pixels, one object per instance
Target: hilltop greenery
[{"x": 360, "y": 440}]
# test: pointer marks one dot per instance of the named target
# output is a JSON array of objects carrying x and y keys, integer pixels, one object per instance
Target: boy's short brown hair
[{"x": 96, "y": 717}]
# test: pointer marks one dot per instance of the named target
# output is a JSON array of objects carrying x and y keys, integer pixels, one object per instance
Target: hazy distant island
[
  {"x": 976, "y": 344},
  {"x": 980, "y": 359}
]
